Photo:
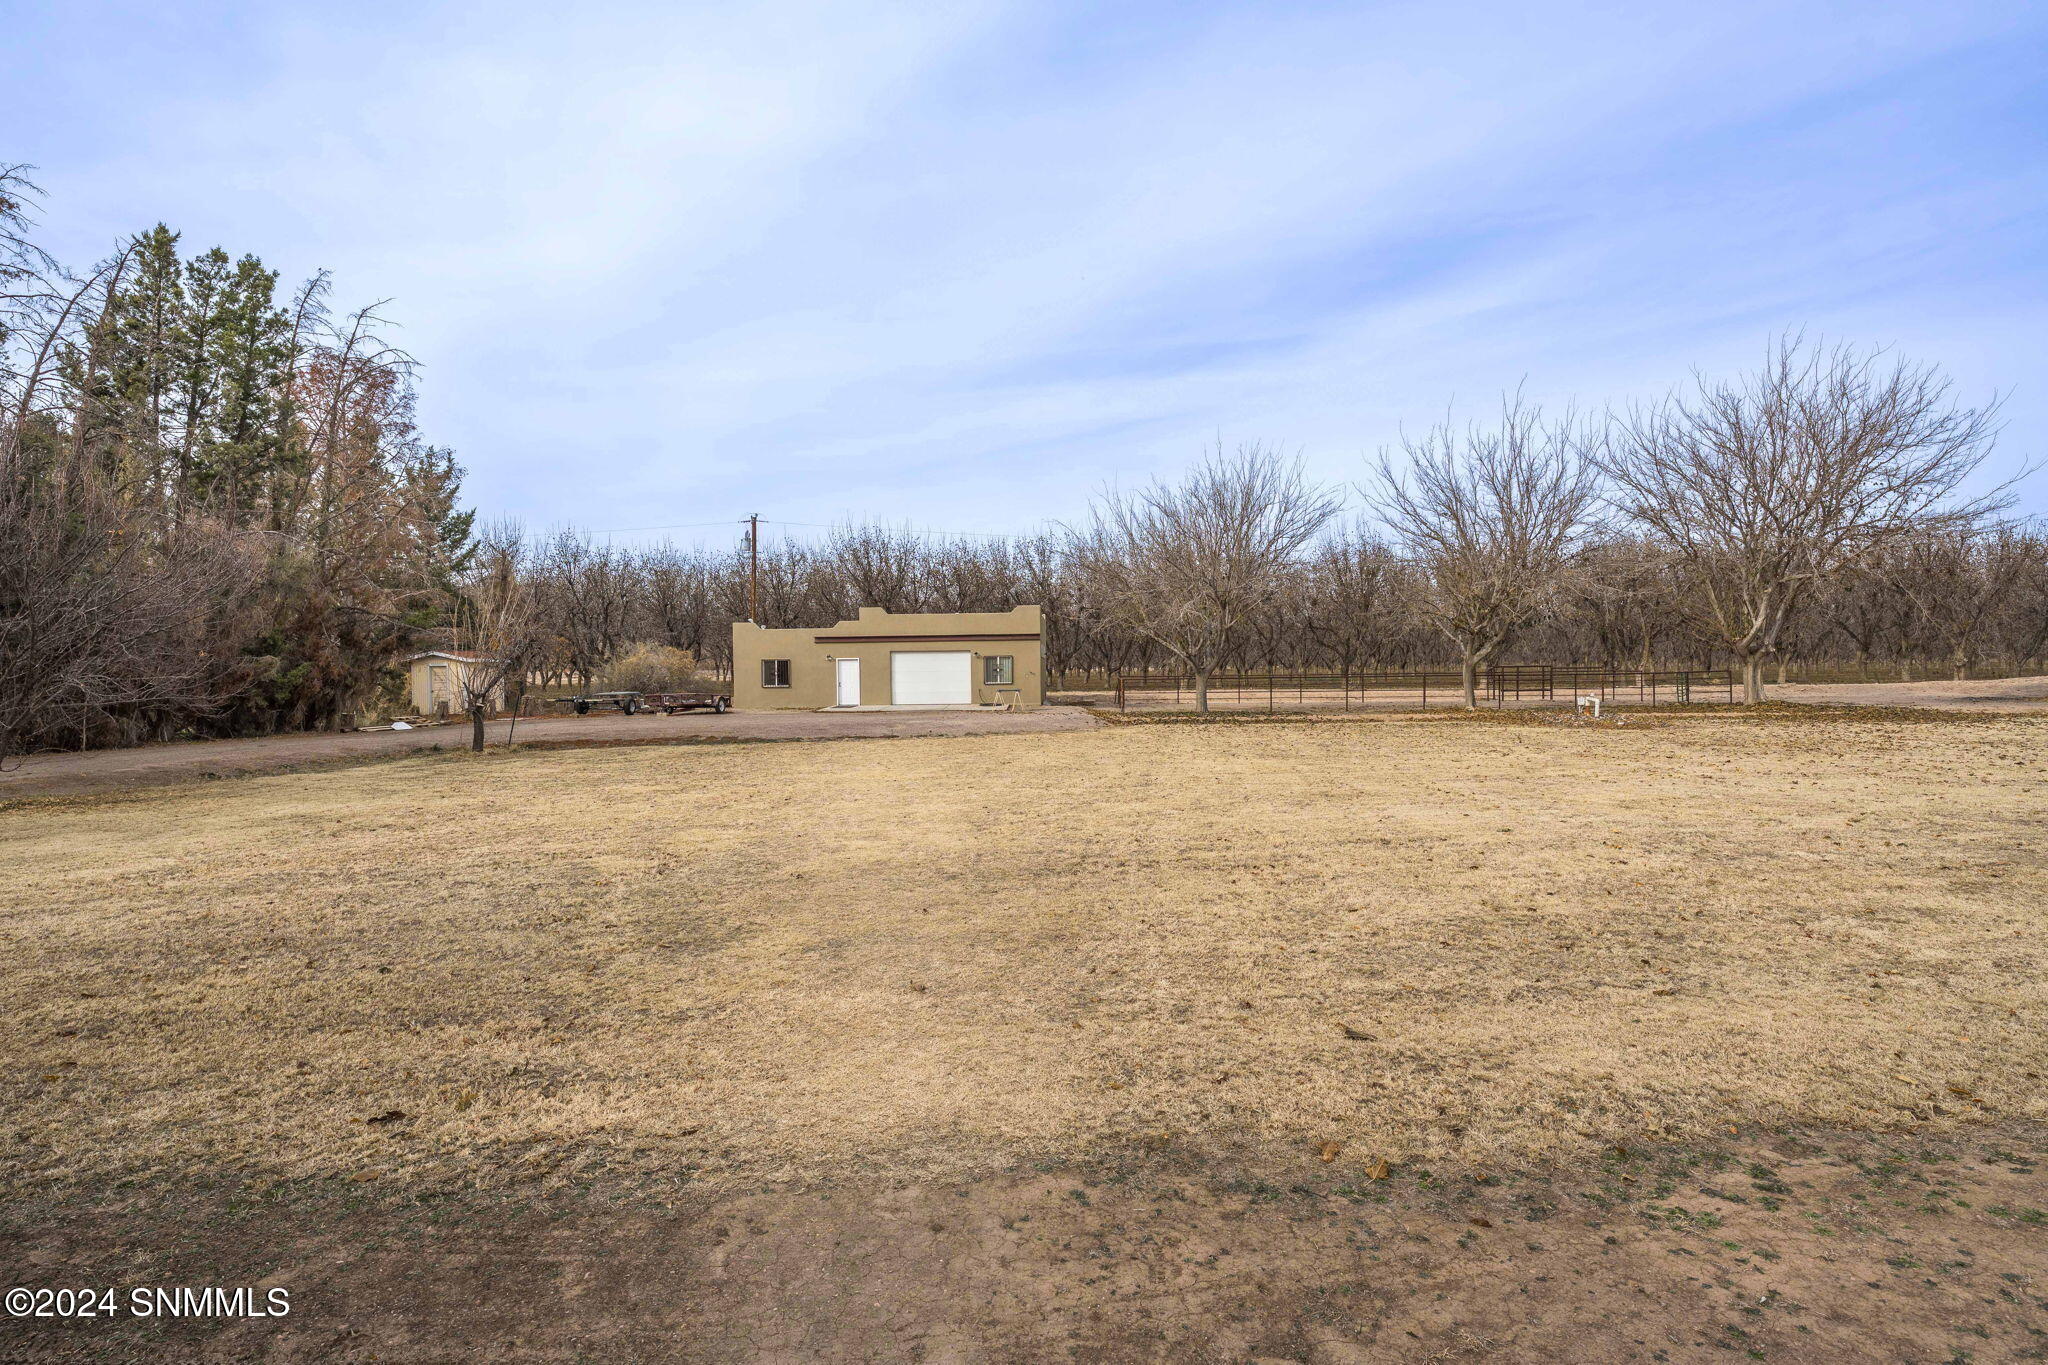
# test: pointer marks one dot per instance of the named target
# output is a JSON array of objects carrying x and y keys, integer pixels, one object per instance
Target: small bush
[{"x": 650, "y": 667}]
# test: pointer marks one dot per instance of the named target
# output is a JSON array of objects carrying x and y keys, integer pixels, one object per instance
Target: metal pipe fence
[{"x": 1503, "y": 685}]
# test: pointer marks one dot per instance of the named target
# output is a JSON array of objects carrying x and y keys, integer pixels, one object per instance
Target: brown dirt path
[
  {"x": 2025, "y": 696},
  {"x": 1810, "y": 1250},
  {"x": 103, "y": 770}
]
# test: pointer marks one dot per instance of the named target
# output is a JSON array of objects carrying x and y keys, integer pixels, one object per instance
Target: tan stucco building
[
  {"x": 434, "y": 681},
  {"x": 990, "y": 658}
]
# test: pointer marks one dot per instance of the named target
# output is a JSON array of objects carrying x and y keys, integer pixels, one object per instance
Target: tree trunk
[
  {"x": 1202, "y": 692},
  {"x": 1752, "y": 679},
  {"x": 476, "y": 729},
  {"x": 1468, "y": 678}
]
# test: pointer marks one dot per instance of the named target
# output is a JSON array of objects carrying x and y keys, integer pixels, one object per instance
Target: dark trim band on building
[{"x": 907, "y": 639}]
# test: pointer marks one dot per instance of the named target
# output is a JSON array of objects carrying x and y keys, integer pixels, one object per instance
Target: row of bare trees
[
  {"x": 1939, "y": 605},
  {"x": 1812, "y": 511}
]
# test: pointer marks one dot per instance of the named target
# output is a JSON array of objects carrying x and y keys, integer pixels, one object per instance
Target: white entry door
[
  {"x": 849, "y": 682},
  {"x": 920, "y": 679}
]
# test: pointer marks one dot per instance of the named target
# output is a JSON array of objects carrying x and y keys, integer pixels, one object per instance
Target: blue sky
[{"x": 955, "y": 265}]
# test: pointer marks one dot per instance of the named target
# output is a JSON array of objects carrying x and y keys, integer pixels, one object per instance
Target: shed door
[{"x": 920, "y": 679}]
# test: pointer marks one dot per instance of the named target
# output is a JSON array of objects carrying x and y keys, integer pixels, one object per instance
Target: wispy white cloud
[{"x": 957, "y": 264}]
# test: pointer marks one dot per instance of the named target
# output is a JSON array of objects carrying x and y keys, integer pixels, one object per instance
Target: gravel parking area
[{"x": 101, "y": 770}]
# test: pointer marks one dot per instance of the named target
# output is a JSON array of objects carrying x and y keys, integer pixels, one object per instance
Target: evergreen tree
[
  {"x": 247, "y": 358},
  {"x": 145, "y": 316},
  {"x": 194, "y": 345}
]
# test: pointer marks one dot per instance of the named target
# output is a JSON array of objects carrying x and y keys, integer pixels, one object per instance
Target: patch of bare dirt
[
  {"x": 1832, "y": 1248},
  {"x": 2022, "y": 695}
]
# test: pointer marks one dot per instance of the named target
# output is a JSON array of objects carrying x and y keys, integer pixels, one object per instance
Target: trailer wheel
[
  {"x": 582, "y": 708},
  {"x": 629, "y": 706},
  {"x": 718, "y": 707}
]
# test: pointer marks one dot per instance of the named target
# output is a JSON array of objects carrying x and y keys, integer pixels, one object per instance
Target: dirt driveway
[
  {"x": 2021, "y": 695},
  {"x": 100, "y": 770}
]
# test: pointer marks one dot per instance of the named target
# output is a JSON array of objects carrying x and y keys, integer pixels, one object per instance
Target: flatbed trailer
[
  {"x": 633, "y": 703},
  {"x": 626, "y": 703},
  {"x": 718, "y": 703}
]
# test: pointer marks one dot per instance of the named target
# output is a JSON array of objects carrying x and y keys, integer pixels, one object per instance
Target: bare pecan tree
[
  {"x": 498, "y": 625},
  {"x": 1184, "y": 564},
  {"x": 1492, "y": 515},
  {"x": 1958, "y": 580},
  {"x": 1767, "y": 484},
  {"x": 585, "y": 593}
]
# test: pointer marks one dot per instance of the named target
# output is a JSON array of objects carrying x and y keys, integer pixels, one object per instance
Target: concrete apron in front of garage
[{"x": 931, "y": 706}]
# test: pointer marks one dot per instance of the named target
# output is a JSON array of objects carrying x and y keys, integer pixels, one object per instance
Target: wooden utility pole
[{"x": 754, "y": 568}]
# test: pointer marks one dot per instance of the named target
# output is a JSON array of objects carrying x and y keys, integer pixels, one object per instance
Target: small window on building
[
  {"x": 774, "y": 672},
  {"x": 999, "y": 670}
]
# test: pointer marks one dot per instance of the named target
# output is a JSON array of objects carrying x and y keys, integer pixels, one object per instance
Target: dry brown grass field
[
  {"x": 1342, "y": 949},
  {"x": 935, "y": 957}
]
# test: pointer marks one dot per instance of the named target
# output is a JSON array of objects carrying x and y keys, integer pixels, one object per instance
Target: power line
[
  {"x": 815, "y": 526},
  {"x": 686, "y": 526},
  {"x": 804, "y": 525}
]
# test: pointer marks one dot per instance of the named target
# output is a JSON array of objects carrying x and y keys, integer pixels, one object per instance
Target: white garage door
[{"x": 930, "y": 679}]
